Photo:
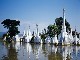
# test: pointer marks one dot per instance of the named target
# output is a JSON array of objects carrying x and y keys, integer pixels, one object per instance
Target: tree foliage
[
  {"x": 43, "y": 35},
  {"x": 56, "y": 29},
  {"x": 59, "y": 23},
  {"x": 52, "y": 30},
  {"x": 12, "y": 26},
  {"x": 73, "y": 33}
]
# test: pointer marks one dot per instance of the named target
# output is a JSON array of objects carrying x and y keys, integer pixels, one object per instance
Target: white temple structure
[
  {"x": 24, "y": 33},
  {"x": 76, "y": 40},
  {"x": 48, "y": 39},
  {"x": 17, "y": 38},
  {"x": 27, "y": 35},
  {"x": 64, "y": 36},
  {"x": 70, "y": 37},
  {"x": 55, "y": 40},
  {"x": 37, "y": 38},
  {"x": 79, "y": 38}
]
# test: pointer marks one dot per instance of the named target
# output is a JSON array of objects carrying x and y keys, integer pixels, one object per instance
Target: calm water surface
[{"x": 26, "y": 51}]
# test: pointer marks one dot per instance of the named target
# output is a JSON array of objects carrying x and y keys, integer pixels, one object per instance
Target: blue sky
[{"x": 41, "y": 12}]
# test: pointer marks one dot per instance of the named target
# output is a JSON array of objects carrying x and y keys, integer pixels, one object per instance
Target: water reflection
[
  {"x": 11, "y": 52},
  {"x": 26, "y": 51}
]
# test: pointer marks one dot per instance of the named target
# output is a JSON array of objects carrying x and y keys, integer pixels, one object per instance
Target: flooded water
[{"x": 26, "y": 51}]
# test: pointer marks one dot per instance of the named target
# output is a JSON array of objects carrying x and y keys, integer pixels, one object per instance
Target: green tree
[
  {"x": 59, "y": 22},
  {"x": 12, "y": 26},
  {"x": 52, "y": 30},
  {"x": 56, "y": 29},
  {"x": 43, "y": 35}
]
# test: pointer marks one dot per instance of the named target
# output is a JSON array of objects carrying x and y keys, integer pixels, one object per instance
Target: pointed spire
[
  {"x": 63, "y": 17},
  {"x": 29, "y": 26},
  {"x": 55, "y": 23},
  {"x": 75, "y": 30},
  {"x": 29, "y": 31},
  {"x": 24, "y": 33},
  {"x": 71, "y": 32},
  {"x": 37, "y": 28}
]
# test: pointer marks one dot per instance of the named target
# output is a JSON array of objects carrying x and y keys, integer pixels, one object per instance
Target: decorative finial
[
  {"x": 37, "y": 25},
  {"x": 29, "y": 26},
  {"x": 63, "y": 9},
  {"x": 75, "y": 28}
]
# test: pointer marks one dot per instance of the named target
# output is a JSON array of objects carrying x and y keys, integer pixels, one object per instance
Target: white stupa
[
  {"x": 63, "y": 36},
  {"x": 48, "y": 39},
  {"x": 28, "y": 35},
  {"x": 24, "y": 33},
  {"x": 70, "y": 37},
  {"x": 17, "y": 38},
  {"x": 55, "y": 40},
  {"x": 79, "y": 38},
  {"x": 37, "y": 38},
  {"x": 76, "y": 40}
]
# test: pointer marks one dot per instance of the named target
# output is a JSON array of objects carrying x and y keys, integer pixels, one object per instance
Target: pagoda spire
[
  {"x": 63, "y": 18},
  {"x": 75, "y": 30},
  {"x": 37, "y": 28}
]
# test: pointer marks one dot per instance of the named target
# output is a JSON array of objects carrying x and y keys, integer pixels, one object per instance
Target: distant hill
[{"x": 1, "y": 33}]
